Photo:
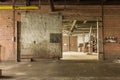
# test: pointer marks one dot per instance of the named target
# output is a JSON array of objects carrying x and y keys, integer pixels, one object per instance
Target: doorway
[
  {"x": 39, "y": 36},
  {"x": 80, "y": 40}
]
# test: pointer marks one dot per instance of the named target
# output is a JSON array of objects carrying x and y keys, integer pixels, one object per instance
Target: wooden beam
[
  {"x": 51, "y": 2},
  {"x": 97, "y": 37},
  {"x": 73, "y": 25},
  {"x": 86, "y": 28},
  {"x": 80, "y": 32}
]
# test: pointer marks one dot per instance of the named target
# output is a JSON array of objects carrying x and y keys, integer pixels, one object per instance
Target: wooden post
[
  {"x": 83, "y": 37},
  {"x": 39, "y": 4},
  {"x": 97, "y": 37},
  {"x": 73, "y": 26},
  {"x": 69, "y": 43},
  {"x": 52, "y": 5},
  {"x": 64, "y": 4},
  {"x": 90, "y": 42},
  {"x": 0, "y": 72},
  {"x": 18, "y": 33},
  {"x": 91, "y": 48}
]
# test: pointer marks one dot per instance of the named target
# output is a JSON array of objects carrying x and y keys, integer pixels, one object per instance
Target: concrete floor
[
  {"x": 79, "y": 56},
  {"x": 60, "y": 70}
]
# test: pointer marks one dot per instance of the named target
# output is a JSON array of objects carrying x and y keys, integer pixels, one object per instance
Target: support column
[
  {"x": 97, "y": 37},
  {"x": 51, "y": 2},
  {"x": 83, "y": 37},
  {"x": 69, "y": 43},
  {"x": 101, "y": 53}
]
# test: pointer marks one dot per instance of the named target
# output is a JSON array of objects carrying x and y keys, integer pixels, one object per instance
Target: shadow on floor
[{"x": 6, "y": 77}]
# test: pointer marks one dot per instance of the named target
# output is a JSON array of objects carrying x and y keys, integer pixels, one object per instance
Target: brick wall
[
  {"x": 111, "y": 26},
  {"x": 70, "y": 44},
  {"x": 6, "y": 33},
  {"x": 65, "y": 43}
]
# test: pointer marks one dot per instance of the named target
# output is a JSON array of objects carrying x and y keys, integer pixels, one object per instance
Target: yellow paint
[
  {"x": 26, "y": 7},
  {"x": 19, "y": 7},
  {"x": 6, "y": 7}
]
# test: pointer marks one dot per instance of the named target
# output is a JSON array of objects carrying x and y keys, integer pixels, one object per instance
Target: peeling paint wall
[{"x": 35, "y": 35}]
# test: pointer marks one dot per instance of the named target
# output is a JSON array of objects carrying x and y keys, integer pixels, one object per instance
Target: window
[{"x": 55, "y": 37}]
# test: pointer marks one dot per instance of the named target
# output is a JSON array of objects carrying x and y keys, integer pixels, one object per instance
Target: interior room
[
  {"x": 59, "y": 39},
  {"x": 80, "y": 40}
]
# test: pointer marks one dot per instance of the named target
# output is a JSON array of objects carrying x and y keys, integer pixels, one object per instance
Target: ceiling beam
[
  {"x": 73, "y": 26},
  {"x": 83, "y": 32},
  {"x": 80, "y": 32},
  {"x": 84, "y": 28}
]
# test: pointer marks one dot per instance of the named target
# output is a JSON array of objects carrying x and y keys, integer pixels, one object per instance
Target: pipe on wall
[{"x": 102, "y": 11}]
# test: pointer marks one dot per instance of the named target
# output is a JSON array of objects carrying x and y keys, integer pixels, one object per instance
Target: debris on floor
[{"x": 117, "y": 60}]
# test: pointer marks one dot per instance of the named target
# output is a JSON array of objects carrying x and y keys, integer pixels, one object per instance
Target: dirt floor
[{"x": 60, "y": 70}]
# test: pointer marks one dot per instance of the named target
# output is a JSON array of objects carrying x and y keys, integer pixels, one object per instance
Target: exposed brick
[
  {"x": 6, "y": 33},
  {"x": 111, "y": 25}
]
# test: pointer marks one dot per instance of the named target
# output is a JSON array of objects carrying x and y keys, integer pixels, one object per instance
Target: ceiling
[
  {"x": 67, "y": 2},
  {"x": 79, "y": 27}
]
